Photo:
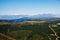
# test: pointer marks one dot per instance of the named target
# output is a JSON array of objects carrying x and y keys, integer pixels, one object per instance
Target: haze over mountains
[
  {"x": 44, "y": 16},
  {"x": 19, "y": 18},
  {"x": 8, "y": 17}
]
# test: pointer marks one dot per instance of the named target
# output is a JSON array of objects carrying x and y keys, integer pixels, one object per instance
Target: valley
[{"x": 31, "y": 29}]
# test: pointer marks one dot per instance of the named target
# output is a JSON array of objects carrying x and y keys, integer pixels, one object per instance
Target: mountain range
[{"x": 20, "y": 18}]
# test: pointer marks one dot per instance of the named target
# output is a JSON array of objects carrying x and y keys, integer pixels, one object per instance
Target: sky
[{"x": 29, "y": 7}]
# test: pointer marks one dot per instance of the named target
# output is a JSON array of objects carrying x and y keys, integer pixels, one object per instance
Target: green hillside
[{"x": 31, "y": 30}]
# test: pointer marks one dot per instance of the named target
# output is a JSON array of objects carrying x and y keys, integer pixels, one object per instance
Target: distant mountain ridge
[
  {"x": 44, "y": 16},
  {"x": 11, "y": 17},
  {"x": 20, "y": 18}
]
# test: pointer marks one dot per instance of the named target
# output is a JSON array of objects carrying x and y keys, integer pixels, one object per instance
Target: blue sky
[{"x": 29, "y": 7}]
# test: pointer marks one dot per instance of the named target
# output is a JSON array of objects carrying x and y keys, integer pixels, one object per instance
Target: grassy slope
[{"x": 28, "y": 30}]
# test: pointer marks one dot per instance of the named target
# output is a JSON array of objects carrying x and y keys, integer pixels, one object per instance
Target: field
[{"x": 31, "y": 30}]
